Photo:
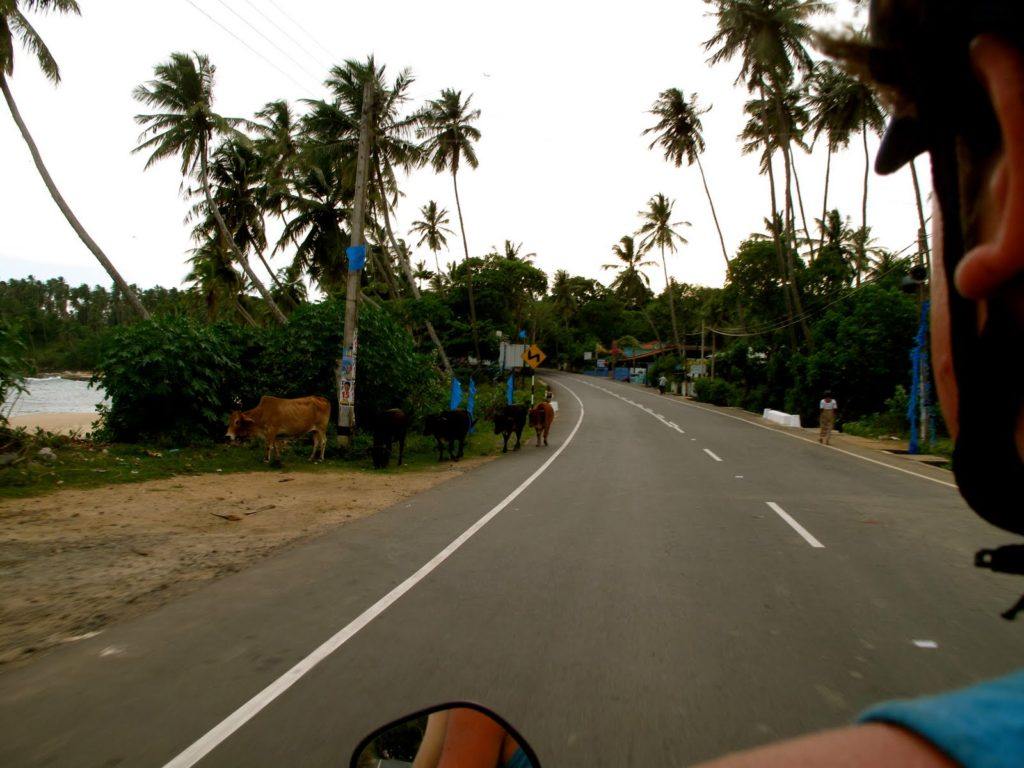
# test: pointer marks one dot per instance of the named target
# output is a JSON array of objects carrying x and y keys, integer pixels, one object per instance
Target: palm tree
[
  {"x": 512, "y": 250},
  {"x": 769, "y": 130},
  {"x": 216, "y": 280},
  {"x": 182, "y": 91},
  {"x": 680, "y": 134},
  {"x": 316, "y": 207},
  {"x": 449, "y": 135},
  {"x": 562, "y": 296},
  {"x": 657, "y": 230},
  {"x": 842, "y": 105},
  {"x": 631, "y": 283},
  {"x": 432, "y": 230},
  {"x": 14, "y": 24},
  {"x": 770, "y": 37},
  {"x": 240, "y": 192},
  {"x": 827, "y": 116}
]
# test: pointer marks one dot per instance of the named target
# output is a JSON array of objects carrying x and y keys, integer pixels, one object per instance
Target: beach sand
[{"x": 63, "y": 423}]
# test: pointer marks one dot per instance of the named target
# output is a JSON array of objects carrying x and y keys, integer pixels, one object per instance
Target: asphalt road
[{"x": 638, "y": 602}]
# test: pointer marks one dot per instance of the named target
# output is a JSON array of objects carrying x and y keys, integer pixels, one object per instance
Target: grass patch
[{"x": 82, "y": 464}]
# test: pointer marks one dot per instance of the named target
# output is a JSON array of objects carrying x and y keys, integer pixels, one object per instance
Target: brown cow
[
  {"x": 278, "y": 417},
  {"x": 541, "y": 416}
]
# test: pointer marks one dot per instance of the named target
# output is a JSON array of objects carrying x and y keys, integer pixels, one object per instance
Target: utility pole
[
  {"x": 345, "y": 374},
  {"x": 703, "y": 360}
]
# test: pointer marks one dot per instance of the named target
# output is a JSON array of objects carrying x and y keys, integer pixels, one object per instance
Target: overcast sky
[{"x": 564, "y": 89}]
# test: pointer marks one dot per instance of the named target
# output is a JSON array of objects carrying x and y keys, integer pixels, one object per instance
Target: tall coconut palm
[
  {"x": 680, "y": 134},
  {"x": 841, "y": 106},
  {"x": 632, "y": 284},
  {"x": 216, "y": 280},
  {"x": 14, "y": 24},
  {"x": 770, "y": 37},
  {"x": 316, "y": 207},
  {"x": 657, "y": 230},
  {"x": 186, "y": 125},
  {"x": 432, "y": 230},
  {"x": 446, "y": 126},
  {"x": 237, "y": 177},
  {"x": 828, "y": 116}
]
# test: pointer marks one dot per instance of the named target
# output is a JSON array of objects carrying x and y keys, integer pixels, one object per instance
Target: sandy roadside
[
  {"x": 62, "y": 423},
  {"x": 75, "y": 561}
]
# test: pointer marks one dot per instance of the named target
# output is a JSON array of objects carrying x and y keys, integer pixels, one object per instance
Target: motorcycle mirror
[{"x": 459, "y": 734}]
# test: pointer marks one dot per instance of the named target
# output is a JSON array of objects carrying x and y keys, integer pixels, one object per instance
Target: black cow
[
  {"x": 509, "y": 420},
  {"x": 389, "y": 426},
  {"x": 448, "y": 427}
]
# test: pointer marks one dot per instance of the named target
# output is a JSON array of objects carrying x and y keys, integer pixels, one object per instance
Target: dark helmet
[{"x": 920, "y": 49}]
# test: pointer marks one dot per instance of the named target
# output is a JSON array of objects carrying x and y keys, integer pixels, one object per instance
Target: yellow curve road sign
[{"x": 533, "y": 356}]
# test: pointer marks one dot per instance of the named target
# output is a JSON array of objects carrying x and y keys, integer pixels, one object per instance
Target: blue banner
[
  {"x": 356, "y": 256},
  {"x": 510, "y": 390},
  {"x": 456, "y": 400},
  {"x": 471, "y": 403},
  {"x": 919, "y": 363}
]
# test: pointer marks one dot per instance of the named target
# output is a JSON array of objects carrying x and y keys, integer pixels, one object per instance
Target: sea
[{"x": 52, "y": 394}]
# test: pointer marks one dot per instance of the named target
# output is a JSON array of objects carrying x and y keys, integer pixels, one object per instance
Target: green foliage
[
  {"x": 13, "y": 365},
  {"x": 717, "y": 392},
  {"x": 176, "y": 380},
  {"x": 166, "y": 379}
]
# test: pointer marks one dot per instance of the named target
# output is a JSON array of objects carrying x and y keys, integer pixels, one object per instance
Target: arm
[
  {"x": 429, "y": 753},
  {"x": 863, "y": 746},
  {"x": 472, "y": 740}
]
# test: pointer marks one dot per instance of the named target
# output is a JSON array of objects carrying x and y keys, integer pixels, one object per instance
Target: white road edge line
[
  {"x": 795, "y": 525},
  {"x": 226, "y": 727},
  {"x": 808, "y": 440},
  {"x": 712, "y": 454}
]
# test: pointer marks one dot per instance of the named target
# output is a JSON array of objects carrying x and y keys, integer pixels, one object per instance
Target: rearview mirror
[{"x": 455, "y": 735}]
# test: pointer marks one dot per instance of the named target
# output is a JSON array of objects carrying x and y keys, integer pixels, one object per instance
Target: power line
[
  {"x": 283, "y": 31},
  {"x": 306, "y": 32},
  {"x": 243, "y": 42},
  {"x": 259, "y": 32}
]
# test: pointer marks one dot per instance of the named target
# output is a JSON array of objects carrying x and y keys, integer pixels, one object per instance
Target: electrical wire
[
  {"x": 272, "y": 42},
  {"x": 306, "y": 32},
  {"x": 243, "y": 42},
  {"x": 320, "y": 62}
]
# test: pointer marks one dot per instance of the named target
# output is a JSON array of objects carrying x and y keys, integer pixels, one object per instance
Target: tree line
[{"x": 780, "y": 326}]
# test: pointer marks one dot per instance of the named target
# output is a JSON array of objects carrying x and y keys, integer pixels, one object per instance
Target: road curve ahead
[{"x": 660, "y": 585}]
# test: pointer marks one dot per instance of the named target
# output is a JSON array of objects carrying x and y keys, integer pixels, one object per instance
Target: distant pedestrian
[
  {"x": 827, "y": 417},
  {"x": 662, "y": 383}
]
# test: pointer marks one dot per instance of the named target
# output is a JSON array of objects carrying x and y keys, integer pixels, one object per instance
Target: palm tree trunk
[
  {"x": 923, "y": 232},
  {"x": 245, "y": 313},
  {"x": 404, "y": 263},
  {"x": 800, "y": 203},
  {"x": 270, "y": 272},
  {"x": 791, "y": 243},
  {"x": 862, "y": 246},
  {"x": 824, "y": 201},
  {"x": 672, "y": 306},
  {"x": 469, "y": 270},
  {"x": 235, "y": 251},
  {"x": 780, "y": 258},
  {"x": 714, "y": 215},
  {"x": 132, "y": 297}
]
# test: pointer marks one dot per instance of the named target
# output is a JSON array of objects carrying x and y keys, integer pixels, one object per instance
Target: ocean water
[{"x": 54, "y": 395}]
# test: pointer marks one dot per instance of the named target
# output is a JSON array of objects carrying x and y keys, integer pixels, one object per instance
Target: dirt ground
[{"x": 73, "y": 562}]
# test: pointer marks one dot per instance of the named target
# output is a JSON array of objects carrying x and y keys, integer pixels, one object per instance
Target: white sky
[{"x": 564, "y": 89}]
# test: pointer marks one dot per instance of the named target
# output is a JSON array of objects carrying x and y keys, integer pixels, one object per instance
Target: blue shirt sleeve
[{"x": 978, "y": 727}]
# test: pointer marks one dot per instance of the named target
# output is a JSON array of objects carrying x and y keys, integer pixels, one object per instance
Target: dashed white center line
[
  {"x": 712, "y": 454},
  {"x": 795, "y": 525}
]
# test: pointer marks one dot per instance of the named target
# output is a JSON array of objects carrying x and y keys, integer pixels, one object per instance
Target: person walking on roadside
[
  {"x": 662, "y": 383},
  {"x": 827, "y": 417}
]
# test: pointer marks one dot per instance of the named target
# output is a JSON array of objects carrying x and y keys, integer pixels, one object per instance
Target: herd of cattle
[{"x": 276, "y": 419}]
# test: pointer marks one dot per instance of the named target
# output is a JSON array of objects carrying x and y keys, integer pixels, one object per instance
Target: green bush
[
  {"x": 717, "y": 392},
  {"x": 176, "y": 380}
]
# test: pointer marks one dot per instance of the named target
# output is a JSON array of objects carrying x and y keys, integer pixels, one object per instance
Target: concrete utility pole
[{"x": 345, "y": 374}]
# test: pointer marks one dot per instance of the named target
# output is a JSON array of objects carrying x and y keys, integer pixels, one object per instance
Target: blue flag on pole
[
  {"x": 510, "y": 389},
  {"x": 456, "y": 400},
  {"x": 471, "y": 403},
  {"x": 522, "y": 333},
  {"x": 356, "y": 256}
]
